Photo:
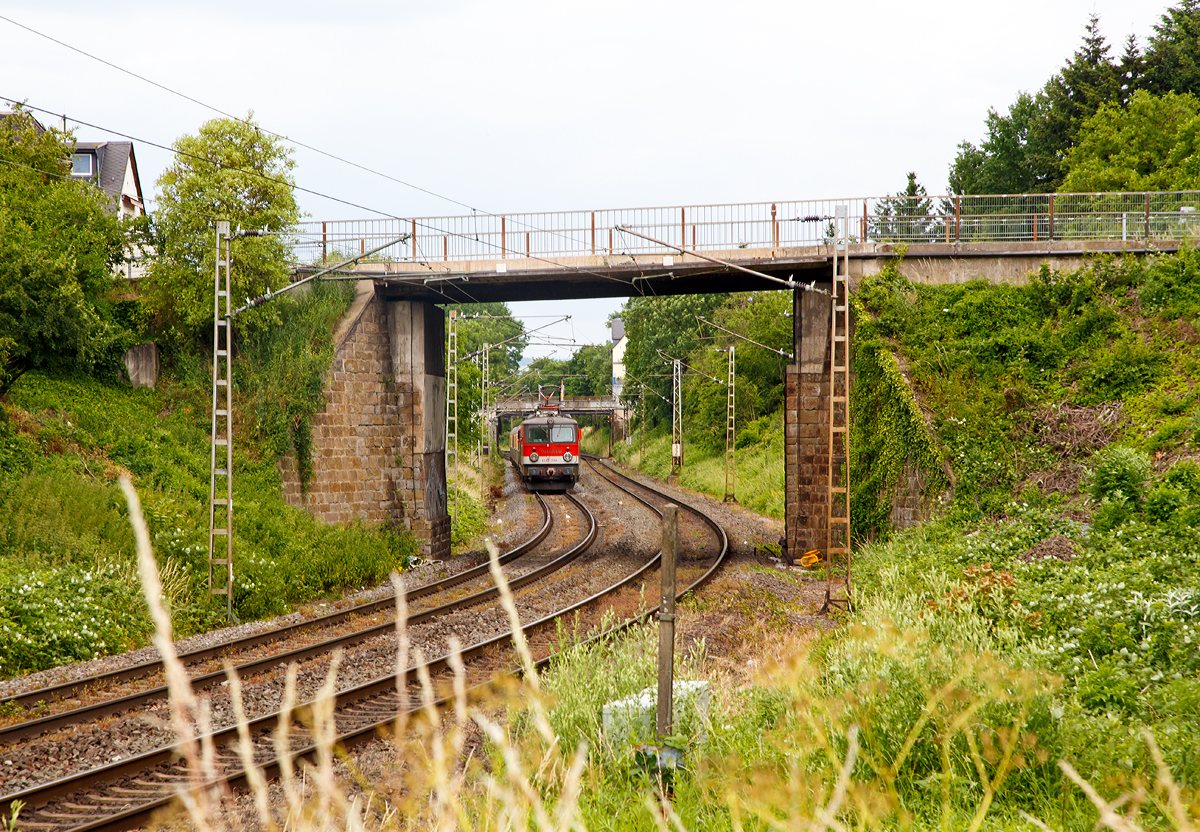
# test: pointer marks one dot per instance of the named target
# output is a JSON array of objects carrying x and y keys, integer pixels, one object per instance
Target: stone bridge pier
[
  {"x": 806, "y": 424},
  {"x": 379, "y": 446}
]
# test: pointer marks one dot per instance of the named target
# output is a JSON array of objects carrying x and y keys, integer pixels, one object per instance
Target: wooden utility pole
[{"x": 666, "y": 620}]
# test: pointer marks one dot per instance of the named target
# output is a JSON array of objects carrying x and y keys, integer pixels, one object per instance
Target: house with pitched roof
[{"x": 111, "y": 167}]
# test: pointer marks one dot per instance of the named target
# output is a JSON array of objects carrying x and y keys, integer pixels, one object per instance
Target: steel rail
[
  {"x": 149, "y": 668},
  {"x": 43, "y": 794},
  {"x": 134, "y": 817}
]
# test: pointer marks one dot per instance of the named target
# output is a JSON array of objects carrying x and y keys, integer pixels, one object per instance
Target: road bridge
[
  {"x": 387, "y": 388},
  {"x": 605, "y": 253}
]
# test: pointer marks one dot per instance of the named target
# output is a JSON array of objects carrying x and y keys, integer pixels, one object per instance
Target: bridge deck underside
[{"x": 626, "y": 275}]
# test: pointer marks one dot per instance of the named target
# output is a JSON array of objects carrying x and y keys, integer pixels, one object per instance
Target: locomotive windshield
[{"x": 549, "y": 433}]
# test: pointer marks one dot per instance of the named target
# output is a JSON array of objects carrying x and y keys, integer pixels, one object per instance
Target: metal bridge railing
[{"x": 1141, "y": 216}]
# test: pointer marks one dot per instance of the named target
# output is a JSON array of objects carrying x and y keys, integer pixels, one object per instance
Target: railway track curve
[{"x": 125, "y": 794}]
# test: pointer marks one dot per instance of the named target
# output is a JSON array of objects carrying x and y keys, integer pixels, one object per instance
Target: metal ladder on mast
[
  {"x": 838, "y": 588},
  {"x": 485, "y": 384},
  {"x": 452, "y": 406},
  {"x": 677, "y": 419},
  {"x": 730, "y": 436},
  {"x": 220, "y": 488}
]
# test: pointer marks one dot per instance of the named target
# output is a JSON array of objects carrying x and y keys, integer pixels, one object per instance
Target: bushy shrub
[
  {"x": 1185, "y": 474},
  {"x": 754, "y": 432},
  {"x": 1163, "y": 501},
  {"x": 1119, "y": 473},
  {"x": 1112, "y": 512},
  {"x": 53, "y": 616},
  {"x": 1172, "y": 285},
  {"x": 1127, "y": 367}
]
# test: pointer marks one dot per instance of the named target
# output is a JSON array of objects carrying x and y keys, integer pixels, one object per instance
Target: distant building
[
  {"x": 619, "y": 341},
  {"x": 111, "y": 167}
]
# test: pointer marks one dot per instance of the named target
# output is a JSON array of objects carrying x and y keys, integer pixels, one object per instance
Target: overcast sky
[{"x": 544, "y": 106}]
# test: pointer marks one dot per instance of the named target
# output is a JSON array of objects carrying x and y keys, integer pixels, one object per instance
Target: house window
[{"x": 82, "y": 164}]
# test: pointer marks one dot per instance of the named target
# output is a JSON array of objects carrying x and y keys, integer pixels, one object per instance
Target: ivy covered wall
[{"x": 899, "y": 470}]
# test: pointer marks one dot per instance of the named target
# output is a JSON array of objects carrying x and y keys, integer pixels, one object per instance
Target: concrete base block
[
  {"x": 142, "y": 365},
  {"x": 631, "y": 721}
]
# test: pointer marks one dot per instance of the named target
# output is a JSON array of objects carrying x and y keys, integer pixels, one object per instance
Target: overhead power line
[
  {"x": 221, "y": 112},
  {"x": 744, "y": 338},
  {"x": 296, "y": 142},
  {"x": 208, "y": 161},
  {"x": 635, "y": 289}
]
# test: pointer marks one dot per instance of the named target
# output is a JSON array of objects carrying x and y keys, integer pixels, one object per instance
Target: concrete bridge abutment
[
  {"x": 379, "y": 445},
  {"x": 417, "y": 331},
  {"x": 806, "y": 425}
]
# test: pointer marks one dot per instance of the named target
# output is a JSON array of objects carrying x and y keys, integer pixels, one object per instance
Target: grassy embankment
[
  {"x": 1069, "y": 413},
  {"x": 759, "y": 464},
  {"x": 67, "y": 585}
]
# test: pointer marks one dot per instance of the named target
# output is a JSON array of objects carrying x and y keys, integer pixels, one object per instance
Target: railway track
[
  {"x": 226, "y": 652},
  {"x": 123, "y": 795}
]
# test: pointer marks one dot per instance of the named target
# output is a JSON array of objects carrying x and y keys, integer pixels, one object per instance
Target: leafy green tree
[
  {"x": 762, "y": 317},
  {"x": 492, "y": 323},
  {"x": 1152, "y": 144},
  {"x": 479, "y": 324},
  {"x": 593, "y": 363},
  {"x": 587, "y": 372},
  {"x": 230, "y": 170},
  {"x": 58, "y": 248},
  {"x": 1016, "y": 157},
  {"x": 1132, "y": 69},
  {"x": 1025, "y": 149},
  {"x": 661, "y": 323},
  {"x": 1090, "y": 79},
  {"x": 908, "y": 215},
  {"x": 1172, "y": 61},
  {"x": 541, "y": 372}
]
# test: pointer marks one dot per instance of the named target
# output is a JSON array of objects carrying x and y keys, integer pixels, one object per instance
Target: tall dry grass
[{"x": 836, "y": 773}]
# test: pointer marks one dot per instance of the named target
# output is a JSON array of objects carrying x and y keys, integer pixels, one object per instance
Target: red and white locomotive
[{"x": 545, "y": 449}]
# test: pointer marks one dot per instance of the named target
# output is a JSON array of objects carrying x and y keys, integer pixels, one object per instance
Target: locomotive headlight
[
  {"x": 567, "y": 456},
  {"x": 533, "y": 457}
]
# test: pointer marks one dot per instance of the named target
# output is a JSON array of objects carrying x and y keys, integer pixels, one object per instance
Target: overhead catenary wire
[
  {"x": 513, "y": 338},
  {"x": 690, "y": 367},
  {"x": 646, "y": 386},
  {"x": 789, "y": 283},
  {"x": 415, "y": 220},
  {"x": 744, "y": 338},
  {"x": 250, "y": 304},
  {"x": 207, "y": 161}
]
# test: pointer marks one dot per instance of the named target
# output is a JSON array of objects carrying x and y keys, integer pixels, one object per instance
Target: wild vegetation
[
  {"x": 911, "y": 718},
  {"x": 58, "y": 248},
  {"x": 233, "y": 171},
  {"x": 1056, "y": 590},
  {"x": 65, "y": 547},
  {"x": 1034, "y": 646}
]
